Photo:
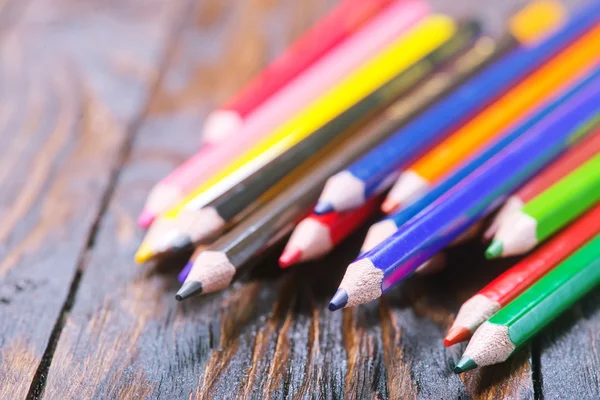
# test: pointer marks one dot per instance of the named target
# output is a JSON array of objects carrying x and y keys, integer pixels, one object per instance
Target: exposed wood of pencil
[
  {"x": 276, "y": 218},
  {"x": 261, "y": 338},
  {"x": 282, "y": 171}
]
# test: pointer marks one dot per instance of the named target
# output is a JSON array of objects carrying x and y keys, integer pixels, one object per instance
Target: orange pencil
[{"x": 555, "y": 75}]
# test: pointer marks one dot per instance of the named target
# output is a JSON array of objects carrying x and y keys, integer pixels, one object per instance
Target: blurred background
[{"x": 98, "y": 101}]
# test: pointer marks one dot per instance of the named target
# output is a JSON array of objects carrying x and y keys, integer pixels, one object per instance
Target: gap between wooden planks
[
  {"x": 124, "y": 336},
  {"x": 72, "y": 89}
]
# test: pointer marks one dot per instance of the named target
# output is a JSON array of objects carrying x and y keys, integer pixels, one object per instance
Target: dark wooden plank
[
  {"x": 270, "y": 335},
  {"x": 73, "y": 77},
  {"x": 126, "y": 336},
  {"x": 415, "y": 318},
  {"x": 569, "y": 353}
]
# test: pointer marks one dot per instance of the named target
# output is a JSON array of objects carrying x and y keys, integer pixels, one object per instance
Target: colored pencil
[
  {"x": 388, "y": 226},
  {"x": 519, "y": 321},
  {"x": 556, "y": 74},
  {"x": 342, "y": 22},
  {"x": 303, "y": 90},
  {"x": 214, "y": 268},
  {"x": 274, "y": 220},
  {"x": 469, "y": 201},
  {"x": 316, "y": 235},
  {"x": 275, "y": 176},
  {"x": 517, "y": 279},
  {"x": 549, "y": 176},
  {"x": 549, "y": 211},
  {"x": 425, "y": 37},
  {"x": 378, "y": 169}
]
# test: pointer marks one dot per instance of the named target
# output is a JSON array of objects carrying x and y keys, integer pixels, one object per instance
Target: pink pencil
[
  {"x": 306, "y": 88},
  {"x": 348, "y": 17}
]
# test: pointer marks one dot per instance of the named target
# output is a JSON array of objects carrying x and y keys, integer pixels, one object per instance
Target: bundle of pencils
[{"x": 455, "y": 123}]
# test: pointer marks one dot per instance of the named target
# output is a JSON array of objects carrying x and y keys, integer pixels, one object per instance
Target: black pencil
[
  {"x": 215, "y": 216},
  {"x": 214, "y": 268}
]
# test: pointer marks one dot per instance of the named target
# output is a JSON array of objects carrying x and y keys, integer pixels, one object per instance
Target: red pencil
[
  {"x": 345, "y": 19},
  {"x": 516, "y": 280},
  {"x": 317, "y": 235},
  {"x": 572, "y": 159}
]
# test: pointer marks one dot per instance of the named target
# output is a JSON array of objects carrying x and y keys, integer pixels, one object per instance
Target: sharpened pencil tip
[
  {"x": 188, "y": 289},
  {"x": 185, "y": 272},
  {"x": 145, "y": 219},
  {"x": 143, "y": 254},
  {"x": 494, "y": 250},
  {"x": 323, "y": 208},
  {"x": 289, "y": 257},
  {"x": 389, "y": 206},
  {"x": 339, "y": 300},
  {"x": 464, "y": 364},
  {"x": 181, "y": 242},
  {"x": 456, "y": 335}
]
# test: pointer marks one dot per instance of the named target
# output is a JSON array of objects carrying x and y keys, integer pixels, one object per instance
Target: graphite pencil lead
[
  {"x": 188, "y": 289},
  {"x": 464, "y": 364},
  {"x": 339, "y": 300}
]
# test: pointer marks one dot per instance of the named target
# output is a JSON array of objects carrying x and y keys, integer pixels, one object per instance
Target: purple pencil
[
  {"x": 476, "y": 196},
  {"x": 181, "y": 277}
]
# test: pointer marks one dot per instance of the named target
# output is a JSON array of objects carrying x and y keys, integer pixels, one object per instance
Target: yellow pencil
[{"x": 405, "y": 51}]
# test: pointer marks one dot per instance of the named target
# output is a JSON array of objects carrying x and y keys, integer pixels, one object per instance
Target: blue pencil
[
  {"x": 388, "y": 226},
  {"x": 469, "y": 201},
  {"x": 377, "y": 169}
]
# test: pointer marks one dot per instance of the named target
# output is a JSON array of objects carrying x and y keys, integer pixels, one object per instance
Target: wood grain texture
[
  {"x": 70, "y": 88},
  {"x": 125, "y": 333},
  {"x": 416, "y": 317},
  {"x": 569, "y": 352},
  {"x": 100, "y": 99}
]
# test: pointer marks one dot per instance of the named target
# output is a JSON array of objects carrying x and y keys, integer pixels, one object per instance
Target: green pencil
[
  {"x": 549, "y": 211},
  {"x": 525, "y": 316}
]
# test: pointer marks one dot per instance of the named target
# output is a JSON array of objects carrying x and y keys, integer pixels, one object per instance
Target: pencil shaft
[
  {"x": 282, "y": 105},
  {"x": 553, "y": 76},
  {"x": 562, "y": 167},
  {"x": 514, "y": 281},
  {"x": 274, "y": 220},
  {"x": 546, "y": 178},
  {"x": 550, "y": 296},
  {"x": 426, "y": 36},
  {"x": 235, "y": 200},
  {"x": 375, "y": 168},
  {"x": 477, "y": 195},
  {"x": 566, "y": 199},
  {"x": 344, "y": 20}
]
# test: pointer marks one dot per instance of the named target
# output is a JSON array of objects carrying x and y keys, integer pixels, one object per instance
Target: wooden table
[{"x": 98, "y": 100}]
